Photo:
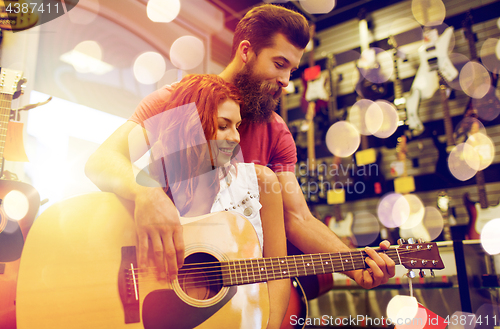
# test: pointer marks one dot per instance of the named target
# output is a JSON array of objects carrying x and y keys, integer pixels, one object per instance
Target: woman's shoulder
[{"x": 265, "y": 174}]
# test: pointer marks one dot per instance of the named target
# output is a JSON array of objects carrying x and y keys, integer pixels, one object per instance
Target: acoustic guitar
[
  {"x": 79, "y": 270},
  {"x": 13, "y": 231}
]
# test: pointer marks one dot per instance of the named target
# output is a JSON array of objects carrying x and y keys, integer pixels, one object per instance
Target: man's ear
[{"x": 245, "y": 51}]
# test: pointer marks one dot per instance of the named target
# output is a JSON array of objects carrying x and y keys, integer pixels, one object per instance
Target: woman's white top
[{"x": 239, "y": 192}]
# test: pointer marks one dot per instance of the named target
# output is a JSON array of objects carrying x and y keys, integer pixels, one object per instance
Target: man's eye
[{"x": 278, "y": 64}]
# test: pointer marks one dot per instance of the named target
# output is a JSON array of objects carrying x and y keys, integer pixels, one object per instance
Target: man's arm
[
  {"x": 156, "y": 218},
  {"x": 274, "y": 241},
  {"x": 312, "y": 236}
]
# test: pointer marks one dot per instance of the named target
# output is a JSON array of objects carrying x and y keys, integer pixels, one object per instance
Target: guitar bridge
[{"x": 128, "y": 285}]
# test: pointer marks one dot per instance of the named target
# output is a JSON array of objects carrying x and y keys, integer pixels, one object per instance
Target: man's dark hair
[{"x": 262, "y": 23}]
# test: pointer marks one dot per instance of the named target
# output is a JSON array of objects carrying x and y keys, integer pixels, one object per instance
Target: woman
[{"x": 196, "y": 147}]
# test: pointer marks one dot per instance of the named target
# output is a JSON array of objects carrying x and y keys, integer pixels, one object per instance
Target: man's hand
[
  {"x": 381, "y": 268},
  {"x": 157, "y": 219}
]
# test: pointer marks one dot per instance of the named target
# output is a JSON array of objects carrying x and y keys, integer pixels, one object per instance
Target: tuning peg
[
  {"x": 422, "y": 273},
  {"x": 411, "y": 274},
  {"x": 411, "y": 241},
  {"x": 420, "y": 240},
  {"x": 432, "y": 273},
  {"x": 401, "y": 241}
]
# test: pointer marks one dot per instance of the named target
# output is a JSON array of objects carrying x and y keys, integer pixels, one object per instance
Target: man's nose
[{"x": 283, "y": 80}]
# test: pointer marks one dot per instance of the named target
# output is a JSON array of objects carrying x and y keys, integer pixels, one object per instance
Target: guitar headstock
[
  {"x": 420, "y": 256},
  {"x": 10, "y": 81}
]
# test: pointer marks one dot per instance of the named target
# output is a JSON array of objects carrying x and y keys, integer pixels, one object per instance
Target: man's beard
[{"x": 260, "y": 98}]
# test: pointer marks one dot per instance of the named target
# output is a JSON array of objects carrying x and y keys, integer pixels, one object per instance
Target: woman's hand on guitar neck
[
  {"x": 381, "y": 268},
  {"x": 157, "y": 219}
]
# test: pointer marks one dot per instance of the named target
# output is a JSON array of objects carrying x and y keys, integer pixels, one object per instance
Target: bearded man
[{"x": 267, "y": 46}]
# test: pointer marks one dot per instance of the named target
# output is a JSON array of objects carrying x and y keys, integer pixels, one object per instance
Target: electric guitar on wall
[
  {"x": 444, "y": 148},
  {"x": 341, "y": 226},
  {"x": 488, "y": 106},
  {"x": 79, "y": 270},
  {"x": 13, "y": 231},
  {"x": 433, "y": 57},
  {"x": 479, "y": 212},
  {"x": 371, "y": 84},
  {"x": 18, "y": 15}
]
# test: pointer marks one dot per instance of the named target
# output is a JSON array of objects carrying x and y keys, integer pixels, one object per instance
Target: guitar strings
[
  {"x": 295, "y": 257},
  {"x": 275, "y": 261},
  {"x": 195, "y": 277},
  {"x": 194, "y": 280}
]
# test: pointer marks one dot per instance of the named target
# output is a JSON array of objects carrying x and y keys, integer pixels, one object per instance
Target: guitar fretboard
[
  {"x": 5, "y": 109},
  {"x": 247, "y": 271}
]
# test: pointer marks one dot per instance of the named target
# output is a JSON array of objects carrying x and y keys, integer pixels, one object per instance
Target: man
[{"x": 268, "y": 45}]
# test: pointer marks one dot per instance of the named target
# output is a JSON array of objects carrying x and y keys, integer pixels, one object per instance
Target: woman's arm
[{"x": 273, "y": 226}]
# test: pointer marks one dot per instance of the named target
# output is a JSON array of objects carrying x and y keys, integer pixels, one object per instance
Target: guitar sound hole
[{"x": 201, "y": 277}]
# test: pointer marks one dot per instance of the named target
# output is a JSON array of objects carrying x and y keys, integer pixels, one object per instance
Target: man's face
[{"x": 263, "y": 76}]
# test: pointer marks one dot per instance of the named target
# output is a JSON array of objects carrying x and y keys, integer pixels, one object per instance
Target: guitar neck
[
  {"x": 481, "y": 189},
  {"x": 398, "y": 86},
  {"x": 469, "y": 35},
  {"x": 5, "y": 108},
  {"x": 448, "y": 124},
  {"x": 249, "y": 271},
  {"x": 311, "y": 152}
]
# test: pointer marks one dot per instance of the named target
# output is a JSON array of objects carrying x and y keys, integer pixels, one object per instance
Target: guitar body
[
  {"x": 69, "y": 273},
  {"x": 368, "y": 86},
  {"x": 478, "y": 216},
  {"x": 12, "y": 238},
  {"x": 297, "y": 307}
]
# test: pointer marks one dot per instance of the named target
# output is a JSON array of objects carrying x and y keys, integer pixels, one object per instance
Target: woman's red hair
[{"x": 206, "y": 92}]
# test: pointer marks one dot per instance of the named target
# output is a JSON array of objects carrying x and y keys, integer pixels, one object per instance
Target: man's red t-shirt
[{"x": 269, "y": 144}]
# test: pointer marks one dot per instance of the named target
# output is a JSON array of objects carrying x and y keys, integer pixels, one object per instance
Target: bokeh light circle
[
  {"x": 433, "y": 222},
  {"x": 468, "y": 126},
  {"x": 318, "y": 6},
  {"x": 489, "y": 236},
  {"x": 16, "y": 205},
  {"x": 416, "y": 211},
  {"x": 357, "y": 116},
  {"x": 89, "y": 49},
  {"x": 484, "y": 150},
  {"x": 163, "y": 11},
  {"x": 428, "y": 12},
  {"x": 487, "y": 54},
  {"x": 149, "y": 67},
  {"x": 474, "y": 79},
  {"x": 458, "y": 60},
  {"x": 402, "y": 307},
  {"x": 418, "y": 322},
  {"x": 187, "y": 52},
  {"x": 342, "y": 139},
  {"x": 365, "y": 228},
  {"x": 390, "y": 204},
  {"x": 389, "y": 121},
  {"x": 457, "y": 164}
]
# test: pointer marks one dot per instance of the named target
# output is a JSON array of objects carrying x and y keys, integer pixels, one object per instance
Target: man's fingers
[
  {"x": 158, "y": 254},
  {"x": 390, "y": 265},
  {"x": 179, "y": 246},
  {"x": 170, "y": 256},
  {"x": 142, "y": 249}
]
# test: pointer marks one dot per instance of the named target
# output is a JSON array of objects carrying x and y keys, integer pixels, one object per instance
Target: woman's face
[{"x": 228, "y": 137}]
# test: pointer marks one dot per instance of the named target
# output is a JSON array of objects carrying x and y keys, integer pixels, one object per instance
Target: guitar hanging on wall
[
  {"x": 371, "y": 84},
  {"x": 87, "y": 276},
  {"x": 13, "y": 227}
]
